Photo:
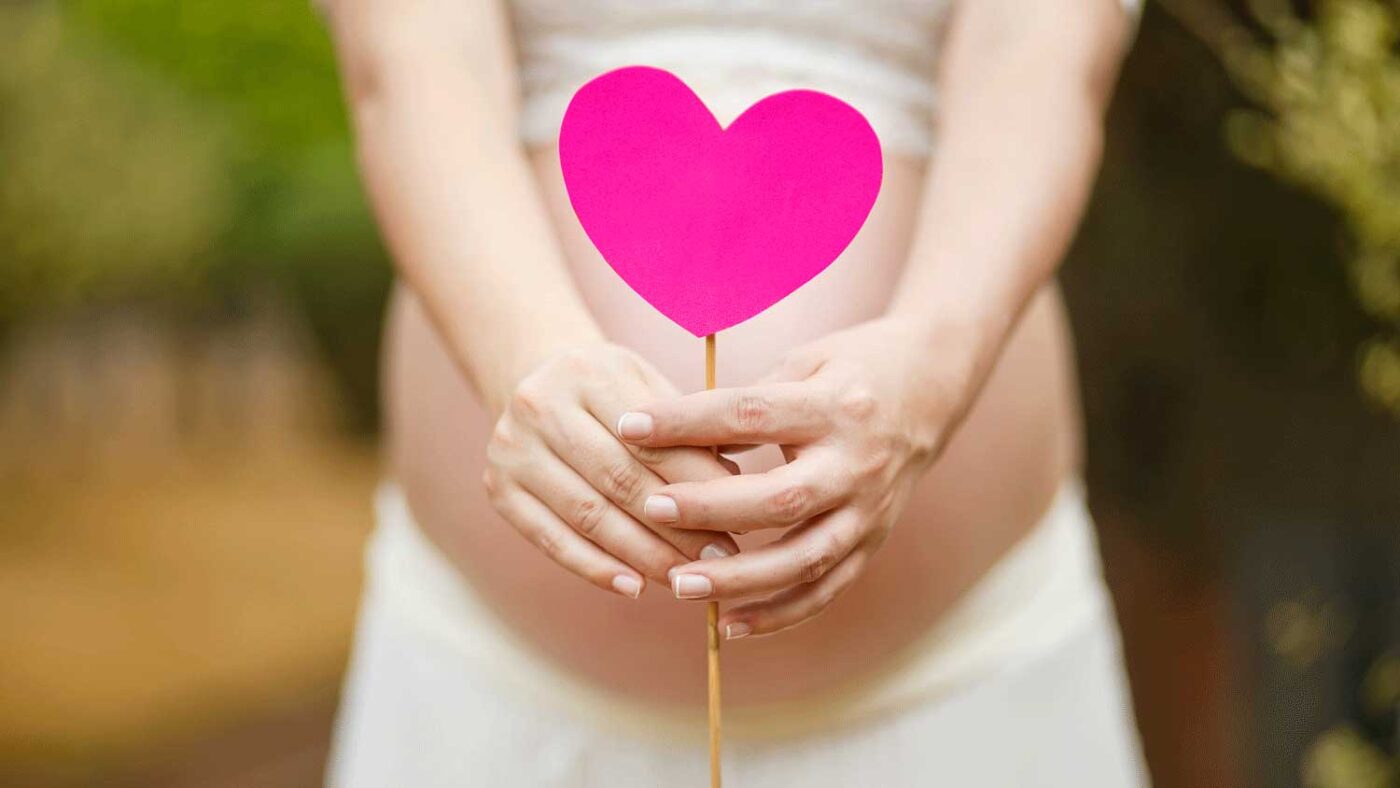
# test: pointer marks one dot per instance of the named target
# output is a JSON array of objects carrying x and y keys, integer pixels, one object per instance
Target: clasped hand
[{"x": 859, "y": 416}]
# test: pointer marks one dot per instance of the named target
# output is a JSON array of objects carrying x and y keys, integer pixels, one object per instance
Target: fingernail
[
  {"x": 691, "y": 586},
  {"x": 712, "y": 551},
  {"x": 635, "y": 426},
  {"x": 661, "y": 509},
  {"x": 627, "y": 586},
  {"x": 737, "y": 630}
]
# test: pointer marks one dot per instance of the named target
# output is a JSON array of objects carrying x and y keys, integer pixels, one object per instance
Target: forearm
[
  {"x": 1019, "y": 146},
  {"x": 459, "y": 209}
]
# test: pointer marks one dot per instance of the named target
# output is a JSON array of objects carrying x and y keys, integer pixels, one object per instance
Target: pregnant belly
[{"x": 996, "y": 478}]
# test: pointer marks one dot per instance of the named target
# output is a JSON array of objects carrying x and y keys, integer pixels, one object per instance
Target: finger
[
  {"x": 673, "y": 464},
  {"x": 594, "y": 454},
  {"x": 584, "y": 509},
  {"x": 804, "y": 555},
  {"x": 534, "y": 521},
  {"x": 796, "y": 605},
  {"x": 787, "y": 495},
  {"x": 683, "y": 463},
  {"x": 778, "y": 413}
]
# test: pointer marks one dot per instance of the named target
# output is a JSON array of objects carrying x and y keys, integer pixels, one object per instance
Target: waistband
[{"x": 1045, "y": 591}]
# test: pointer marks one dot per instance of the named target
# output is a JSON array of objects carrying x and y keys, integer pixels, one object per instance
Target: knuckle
[
  {"x": 657, "y": 563},
  {"x": 687, "y": 542},
  {"x": 529, "y": 400},
  {"x": 578, "y": 364},
  {"x": 491, "y": 484},
  {"x": 651, "y": 455},
  {"x": 820, "y": 601},
  {"x": 503, "y": 436},
  {"x": 504, "y": 443},
  {"x": 751, "y": 412},
  {"x": 549, "y": 544},
  {"x": 623, "y": 480},
  {"x": 873, "y": 463},
  {"x": 857, "y": 404},
  {"x": 879, "y": 534},
  {"x": 924, "y": 448},
  {"x": 882, "y": 456},
  {"x": 587, "y": 515},
  {"x": 816, "y": 560},
  {"x": 790, "y": 503},
  {"x": 494, "y": 452}
]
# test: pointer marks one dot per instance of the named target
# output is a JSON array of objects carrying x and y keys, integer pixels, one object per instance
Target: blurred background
[{"x": 190, "y": 296}]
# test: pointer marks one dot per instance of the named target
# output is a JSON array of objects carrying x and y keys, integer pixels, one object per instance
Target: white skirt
[{"x": 439, "y": 692}]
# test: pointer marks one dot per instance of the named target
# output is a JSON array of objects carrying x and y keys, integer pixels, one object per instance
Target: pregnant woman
[{"x": 913, "y": 409}]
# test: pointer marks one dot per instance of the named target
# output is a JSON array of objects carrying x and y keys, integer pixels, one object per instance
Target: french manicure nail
[
  {"x": 737, "y": 630},
  {"x": 627, "y": 586},
  {"x": 712, "y": 551},
  {"x": 635, "y": 426},
  {"x": 691, "y": 586},
  {"x": 661, "y": 509}
]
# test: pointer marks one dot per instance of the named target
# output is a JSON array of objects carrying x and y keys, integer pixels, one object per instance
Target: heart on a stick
[{"x": 713, "y": 225}]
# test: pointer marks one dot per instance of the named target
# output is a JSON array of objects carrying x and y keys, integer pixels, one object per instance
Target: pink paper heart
[{"x": 712, "y": 225}]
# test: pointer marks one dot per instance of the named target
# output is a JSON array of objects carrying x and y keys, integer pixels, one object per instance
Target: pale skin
[
  {"x": 859, "y": 427},
  {"x": 588, "y": 439}
]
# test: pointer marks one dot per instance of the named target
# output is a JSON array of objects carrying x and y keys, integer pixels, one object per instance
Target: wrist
[
  {"x": 948, "y": 357},
  {"x": 948, "y": 344},
  {"x": 966, "y": 314}
]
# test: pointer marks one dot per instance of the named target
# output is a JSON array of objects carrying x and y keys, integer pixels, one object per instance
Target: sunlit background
[{"x": 190, "y": 295}]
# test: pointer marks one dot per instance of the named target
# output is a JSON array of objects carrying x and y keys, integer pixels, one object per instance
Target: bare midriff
[{"x": 992, "y": 484}]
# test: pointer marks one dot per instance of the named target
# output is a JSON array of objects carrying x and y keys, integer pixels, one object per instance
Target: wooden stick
[{"x": 712, "y": 617}]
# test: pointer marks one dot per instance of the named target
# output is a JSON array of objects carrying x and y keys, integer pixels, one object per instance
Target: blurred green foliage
[
  {"x": 267, "y": 67},
  {"x": 1327, "y": 90},
  {"x": 268, "y": 61},
  {"x": 179, "y": 147},
  {"x": 195, "y": 151},
  {"x": 112, "y": 183}
]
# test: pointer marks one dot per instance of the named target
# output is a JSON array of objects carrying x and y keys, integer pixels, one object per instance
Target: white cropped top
[{"x": 877, "y": 55}]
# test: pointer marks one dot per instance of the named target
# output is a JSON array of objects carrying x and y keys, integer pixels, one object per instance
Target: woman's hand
[
  {"x": 556, "y": 471},
  {"x": 860, "y": 415}
]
